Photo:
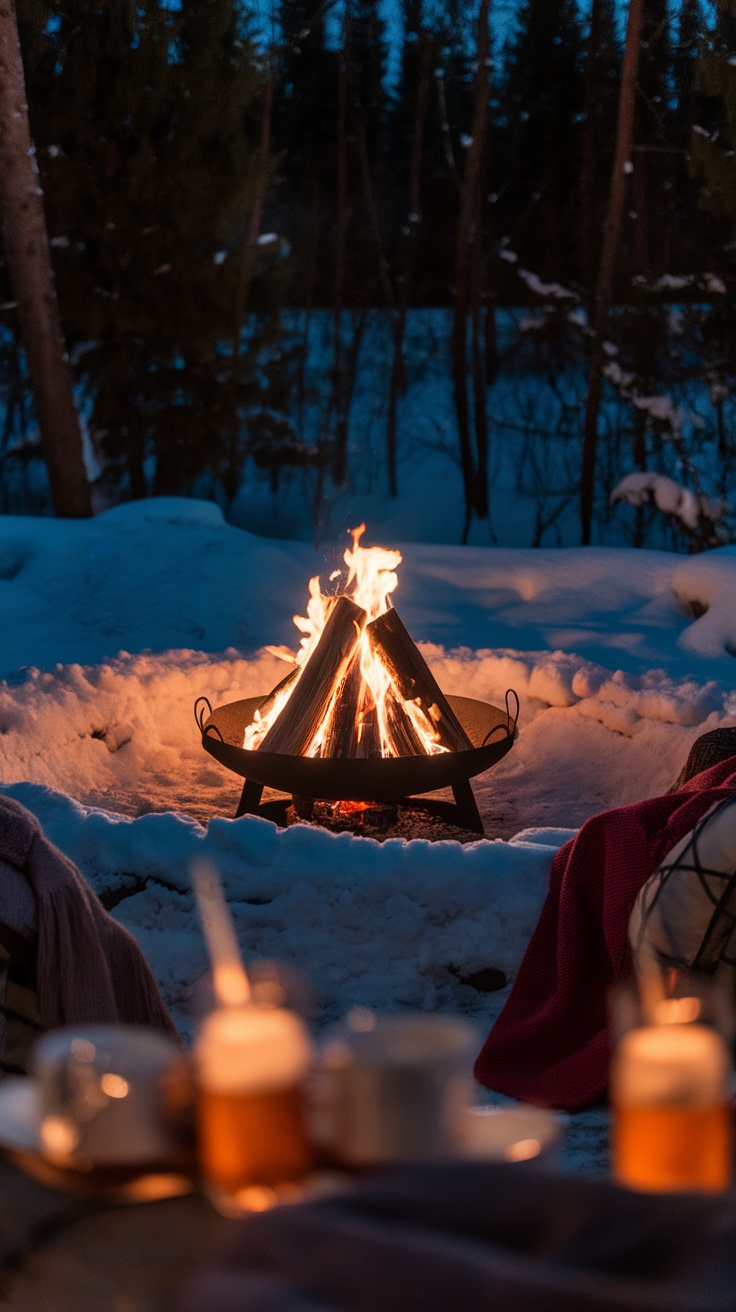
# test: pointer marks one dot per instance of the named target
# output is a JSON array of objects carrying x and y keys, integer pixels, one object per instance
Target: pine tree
[
  {"x": 602, "y": 72},
  {"x": 686, "y": 232},
  {"x": 143, "y": 121},
  {"x": 410, "y": 129},
  {"x": 367, "y": 41},
  {"x": 304, "y": 123},
  {"x": 713, "y": 147},
  {"x": 543, "y": 102},
  {"x": 449, "y": 117},
  {"x": 468, "y": 282},
  {"x": 690, "y": 33},
  {"x": 609, "y": 258},
  {"x": 652, "y": 136}
]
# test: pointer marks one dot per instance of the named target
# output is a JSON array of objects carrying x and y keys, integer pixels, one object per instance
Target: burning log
[
  {"x": 414, "y": 681},
  {"x": 403, "y": 736},
  {"x": 354, "y": 729},
  {"x": 294, "y": 728},
  {"x": 341, "y": 729},
  {"x": 366, "y": 741},
  {"x": 353, "y": 724},
  {"x": 269, "y": 702}
]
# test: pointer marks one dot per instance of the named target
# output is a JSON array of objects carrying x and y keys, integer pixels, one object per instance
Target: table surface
[{"x": 64, "y": 1254}]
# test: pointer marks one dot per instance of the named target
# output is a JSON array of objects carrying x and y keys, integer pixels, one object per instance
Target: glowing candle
[
  {"x": 671, "y": 1118},
  {"x": 251, "y": 1063}
]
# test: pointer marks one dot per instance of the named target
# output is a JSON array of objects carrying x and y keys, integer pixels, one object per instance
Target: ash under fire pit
[{"x": 360, "y": 717}]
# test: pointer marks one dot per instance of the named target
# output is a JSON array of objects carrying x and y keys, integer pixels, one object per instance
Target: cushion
[{"x": 685, "y": 914}]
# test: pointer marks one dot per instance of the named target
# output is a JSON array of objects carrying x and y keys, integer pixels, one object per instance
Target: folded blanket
[
  {"x": 88, "y": 969},
  {"x": 491, "y": 1238},
  {"x": 550, "y": 1044}
]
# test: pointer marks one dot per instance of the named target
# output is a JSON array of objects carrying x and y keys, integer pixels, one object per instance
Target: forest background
[{"x": 306, "y": 263}]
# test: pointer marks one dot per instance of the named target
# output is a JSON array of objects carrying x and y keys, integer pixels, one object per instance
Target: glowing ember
[{"x": 380, "y": 722}]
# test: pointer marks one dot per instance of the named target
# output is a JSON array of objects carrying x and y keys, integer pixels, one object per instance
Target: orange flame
[{"x": 371, "y": 578}]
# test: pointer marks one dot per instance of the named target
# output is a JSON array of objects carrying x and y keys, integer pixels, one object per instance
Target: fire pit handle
[
  {"x": 511, "y": 692},
  {"x": 509, "y": 732},
  {"x": 199, "y": 714},
  {"x": 199, "y": 717}
]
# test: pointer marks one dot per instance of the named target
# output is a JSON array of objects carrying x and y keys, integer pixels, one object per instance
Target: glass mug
[
  {"x": 251, "y": 1063},
  {"x": 670, "y": 1087},
  {"x": 392, "y": 1088},
  {"x": 103, "y": 1098}
]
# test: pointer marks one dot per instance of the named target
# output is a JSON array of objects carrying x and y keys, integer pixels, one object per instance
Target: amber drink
[
  {"x": 251, "y": 1064},
  {"x": 671, "y": 1126}
]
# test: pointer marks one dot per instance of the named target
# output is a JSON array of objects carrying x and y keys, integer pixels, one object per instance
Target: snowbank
[{"x": 384, "y": 925}]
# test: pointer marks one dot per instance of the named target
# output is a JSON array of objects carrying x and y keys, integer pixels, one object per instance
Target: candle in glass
[
  {"x": 671, "y": 1118},
  {"x": 251, "y": 1062}
]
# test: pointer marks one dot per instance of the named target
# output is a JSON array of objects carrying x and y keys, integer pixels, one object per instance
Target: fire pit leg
[
  {"x": 468, "y": 814},
  {"x": 250, "y": 799}
]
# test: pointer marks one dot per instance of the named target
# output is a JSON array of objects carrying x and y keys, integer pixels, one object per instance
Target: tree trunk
[
  {"x": 232, "y": 473},
  {"x": 459, "y": 362},
  {"x": 466, "y": 285},
  {"x": 369, "y": 199},
  {"x": 32, "y": 280},
  {"x": 340, "y": 453},
  {"x": 407, "y": 266},
  {"x": 445, "y": 125},
  {"x": 589, "y": 152},
  {"x": 310, "y": 278},
  {"x": 479, "y": 407},
  {"x": 609, "y": 253},
  {"x": 490, "y": 339},
  {"x": 640, "y": 197}
]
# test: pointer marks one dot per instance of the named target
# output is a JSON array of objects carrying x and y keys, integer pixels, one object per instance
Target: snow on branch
[
  {"x": 661, "y": 408},
  {"x": 549, "y": 290},
  {"x": 678, "y": 282},
  {"x": 698, "y": 516},
  {"x": 553, "y": 291}
]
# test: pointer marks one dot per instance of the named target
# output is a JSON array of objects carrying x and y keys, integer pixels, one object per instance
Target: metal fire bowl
[{"x": 346, "y": 779}]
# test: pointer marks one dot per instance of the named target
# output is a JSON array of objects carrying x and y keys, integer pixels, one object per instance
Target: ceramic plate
[{"x": 510, "y": 1134}]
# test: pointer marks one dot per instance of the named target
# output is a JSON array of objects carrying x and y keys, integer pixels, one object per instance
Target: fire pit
[{"x": 360, "y": 717}]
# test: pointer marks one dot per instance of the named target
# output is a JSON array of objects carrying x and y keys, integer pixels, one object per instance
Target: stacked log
[
  {"x": 353, "y": 727},
  {"x": 331, "y": 687},
  {"x": 294, "y": 728},
  {"x": 414, "y": 681}
]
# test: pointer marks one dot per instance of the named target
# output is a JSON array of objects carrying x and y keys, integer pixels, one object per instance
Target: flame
[
  {"x": 371, "y": 578},
  {"x": 372, "y": 569}
]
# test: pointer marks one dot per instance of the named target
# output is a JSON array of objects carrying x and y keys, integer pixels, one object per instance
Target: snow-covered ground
[{"x": 112, "y": 628}]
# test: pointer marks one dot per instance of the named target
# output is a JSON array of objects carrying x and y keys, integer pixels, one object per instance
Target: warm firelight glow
[
  {"x": 371, "y": 578},
  {"x": 676, "y": 1011}
]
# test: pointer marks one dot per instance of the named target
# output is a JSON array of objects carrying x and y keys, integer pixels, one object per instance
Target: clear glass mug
[
  {"x": 671, "y": 1120},
  {"x": 392, "y": 1088}
]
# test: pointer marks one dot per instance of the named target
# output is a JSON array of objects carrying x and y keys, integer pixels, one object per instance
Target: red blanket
[{"x": 550, "y": 1045}]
